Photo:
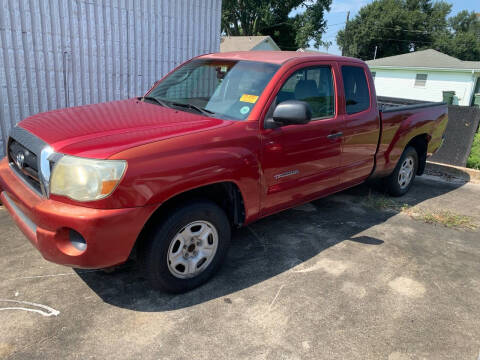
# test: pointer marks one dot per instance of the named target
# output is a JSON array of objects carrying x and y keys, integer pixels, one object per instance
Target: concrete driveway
[{"x": 352, "y": 276}]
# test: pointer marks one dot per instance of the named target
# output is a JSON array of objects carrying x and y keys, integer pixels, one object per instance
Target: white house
[
  {"x": 247, "y": 43},
  {"x": 424, "y": 75}
]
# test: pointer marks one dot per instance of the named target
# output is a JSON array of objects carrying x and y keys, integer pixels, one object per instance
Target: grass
[
  {"x": 445, "y": 218},
  {"x": 382, "y": 202},
  {"x": 473, "y": 161}
]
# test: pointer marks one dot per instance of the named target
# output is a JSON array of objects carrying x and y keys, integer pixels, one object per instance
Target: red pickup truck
[{"x": 219, "y": 142}]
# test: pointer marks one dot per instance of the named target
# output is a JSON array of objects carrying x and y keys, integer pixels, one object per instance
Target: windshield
[{"x": 221, "y": 88}]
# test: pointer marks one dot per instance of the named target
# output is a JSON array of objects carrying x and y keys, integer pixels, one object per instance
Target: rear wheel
[
  {"x": 186, "y": 248},
  {"x": 400, "y": 181}
]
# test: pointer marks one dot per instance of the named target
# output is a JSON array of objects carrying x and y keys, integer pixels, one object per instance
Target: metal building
[{"x": 59, "y": 53}]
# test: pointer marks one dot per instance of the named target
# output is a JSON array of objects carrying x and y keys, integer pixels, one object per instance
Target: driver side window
[{"x": 313, "y": 85}]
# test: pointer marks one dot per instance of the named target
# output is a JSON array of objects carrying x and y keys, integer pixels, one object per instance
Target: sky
[{"x": 337, "y": 16}]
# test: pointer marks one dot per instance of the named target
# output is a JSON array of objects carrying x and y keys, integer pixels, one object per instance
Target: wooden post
[{"x": 344, "y": 53}]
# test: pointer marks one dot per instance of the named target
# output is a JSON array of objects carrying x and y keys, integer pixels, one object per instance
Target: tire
[
  {"x": 400, "y": 181},
  {"x": 187, "y": 248}
]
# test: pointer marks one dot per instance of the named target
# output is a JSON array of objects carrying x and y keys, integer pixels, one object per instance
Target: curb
[{"x": 462, "y": 173}]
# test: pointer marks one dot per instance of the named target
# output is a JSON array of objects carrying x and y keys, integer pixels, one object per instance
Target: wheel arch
[
  {"x": 420, "y": 144},
  {"x": 226, "y": 195}
]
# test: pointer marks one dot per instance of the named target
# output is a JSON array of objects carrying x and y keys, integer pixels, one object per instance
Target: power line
[
  {"x": 404, "y": 30},
  {"x": 389, "y": 39},
  {"x": 375, "y": 26},
  {"x": 410, "y": 41},
  {"x": 383, "y": 38},
  {"x": 328, "y": 25}
]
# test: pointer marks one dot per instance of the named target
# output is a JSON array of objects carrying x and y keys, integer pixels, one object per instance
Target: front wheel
[
  {"x": 400, "y": 181},
  {"x": 187, "y": 247}
]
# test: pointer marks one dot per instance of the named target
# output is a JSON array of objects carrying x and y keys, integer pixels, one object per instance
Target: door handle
[{"x": 335, "y": 135}]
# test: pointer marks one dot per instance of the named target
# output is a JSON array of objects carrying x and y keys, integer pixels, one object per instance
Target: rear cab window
[{"x": 357, "y": 94}]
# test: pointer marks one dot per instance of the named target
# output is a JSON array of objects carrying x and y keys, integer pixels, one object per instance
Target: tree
[
  {"x": 393, "y": 26},
  {"x": 462, "y": 37},
  {"x": 462, "y": 45},
  {"x": 399, "y": 26},
  {"x": 465, "y": 21},
  {"x": 271, "y": 17}
]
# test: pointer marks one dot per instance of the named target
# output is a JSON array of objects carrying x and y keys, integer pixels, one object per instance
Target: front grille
[{"x": 24, "y": 162}]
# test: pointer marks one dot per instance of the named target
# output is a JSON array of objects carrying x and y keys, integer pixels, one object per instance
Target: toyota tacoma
[{"x": 221, "y": 141}]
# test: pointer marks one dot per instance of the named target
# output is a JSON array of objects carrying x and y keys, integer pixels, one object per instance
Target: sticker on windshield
[
  {"x": 244, "y": 110},
  {"x": 249, "y": 98}
]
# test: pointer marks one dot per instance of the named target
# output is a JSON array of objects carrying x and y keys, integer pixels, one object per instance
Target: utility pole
[
  {"x": 375, "y": 54},
  {"x": 345, "y": 45}
]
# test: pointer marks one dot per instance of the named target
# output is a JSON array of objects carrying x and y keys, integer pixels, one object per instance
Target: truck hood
[{"x": 101, "y": 130}]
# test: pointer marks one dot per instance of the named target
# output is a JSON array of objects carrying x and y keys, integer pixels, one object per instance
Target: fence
[{"x": 462, "y": 125}]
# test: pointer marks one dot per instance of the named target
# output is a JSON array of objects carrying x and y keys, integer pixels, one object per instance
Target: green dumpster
[
  {"x": 476, "y": 100},
  {"x": 448, "y": 97}
]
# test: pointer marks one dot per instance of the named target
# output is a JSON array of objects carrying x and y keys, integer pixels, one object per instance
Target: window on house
[{"x": 421, "y": 80}]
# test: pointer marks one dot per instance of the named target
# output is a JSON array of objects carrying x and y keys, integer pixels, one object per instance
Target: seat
[
  {"x": 306, "y": 89},
  {"x": 284, "y": 96}
]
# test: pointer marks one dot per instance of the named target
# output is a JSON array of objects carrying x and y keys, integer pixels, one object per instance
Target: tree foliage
[
  {"x": 271, "y": 17},
  {"x": 399, "y": 26},
  {"x": 462, "y": 37}
]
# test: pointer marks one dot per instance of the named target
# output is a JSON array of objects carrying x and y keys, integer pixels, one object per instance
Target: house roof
[
  {"x": 311, "y": 51},
  {"x": 425, "y": 59},
  {"x": 244, "y": 43}
]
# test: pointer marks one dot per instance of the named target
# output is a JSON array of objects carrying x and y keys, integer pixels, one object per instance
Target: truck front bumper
[{"x": 54, "y": 227}]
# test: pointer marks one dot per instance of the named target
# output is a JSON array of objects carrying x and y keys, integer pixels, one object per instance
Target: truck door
[
  {"x": 362, "y": 125},
  {"x": 302, "y": 161}
]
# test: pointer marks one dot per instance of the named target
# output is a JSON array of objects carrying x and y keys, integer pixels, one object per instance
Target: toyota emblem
[{"x": 19, "y": 160}]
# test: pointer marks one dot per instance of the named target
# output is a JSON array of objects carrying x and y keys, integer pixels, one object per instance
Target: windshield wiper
[
  {"x": 158, "y": 101},
  {"x": 194, "y": 107}
]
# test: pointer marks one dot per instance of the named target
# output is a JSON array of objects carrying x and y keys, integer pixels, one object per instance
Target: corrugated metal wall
[{"x": 58, "y": 53}]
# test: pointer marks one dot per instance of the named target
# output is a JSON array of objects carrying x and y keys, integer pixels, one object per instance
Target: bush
[{"x": 474, "y": 158}]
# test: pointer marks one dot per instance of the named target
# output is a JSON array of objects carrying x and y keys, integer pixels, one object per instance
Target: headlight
[{"x": 86, "y": 179}]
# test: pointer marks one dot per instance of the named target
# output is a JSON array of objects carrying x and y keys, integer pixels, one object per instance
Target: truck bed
[
  {"x": 390, "y": 104},
  {"x": 401, "y": 116}
]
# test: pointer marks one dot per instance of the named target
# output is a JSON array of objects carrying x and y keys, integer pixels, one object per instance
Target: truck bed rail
[{"x": 390, "y": 104}]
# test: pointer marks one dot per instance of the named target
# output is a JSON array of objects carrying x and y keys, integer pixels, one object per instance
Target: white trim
[
  {"x": 472, "y": 87},
  {"x": 413, "y": 68}
]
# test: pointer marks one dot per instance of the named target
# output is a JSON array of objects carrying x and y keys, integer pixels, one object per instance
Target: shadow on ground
[{"x": 270, "y": 247}]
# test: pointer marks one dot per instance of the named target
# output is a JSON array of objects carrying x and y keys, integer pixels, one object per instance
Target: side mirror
[{"x": 292, "y": 112}]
